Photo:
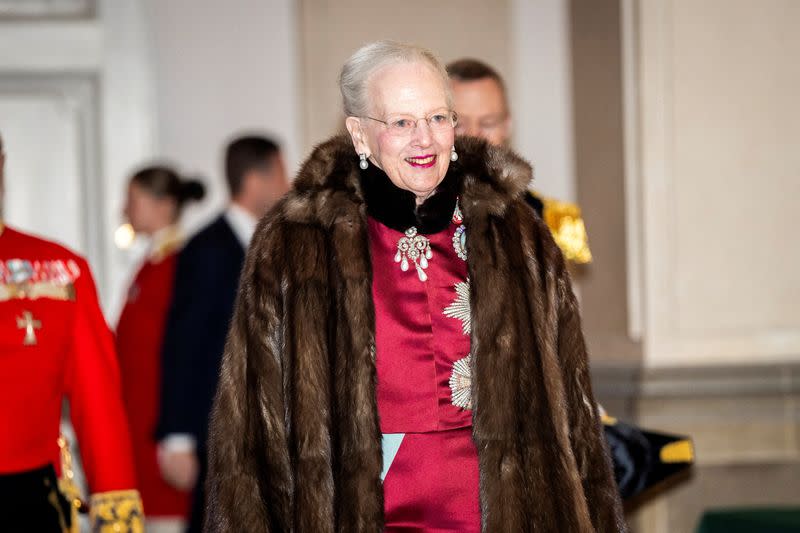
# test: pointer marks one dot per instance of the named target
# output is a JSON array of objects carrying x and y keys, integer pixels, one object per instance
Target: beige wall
[
  {"x": 712, "y": 186},
  {"x": 719, "y": 180},
  {"x": 687, "y": 171}
]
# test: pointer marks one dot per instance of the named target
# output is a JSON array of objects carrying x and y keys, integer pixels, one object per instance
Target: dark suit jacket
[{"x": 206, "y": 280}]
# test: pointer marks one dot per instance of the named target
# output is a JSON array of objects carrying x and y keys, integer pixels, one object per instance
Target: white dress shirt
[{"x": 242, "y": 222}]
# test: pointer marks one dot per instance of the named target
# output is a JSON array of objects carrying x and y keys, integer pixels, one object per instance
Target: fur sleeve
[
  {"x": 249, "y": 483},
  {"x": 588, "y": 442}
]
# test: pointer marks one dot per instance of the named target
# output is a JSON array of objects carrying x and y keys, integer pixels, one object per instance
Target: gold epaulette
[
  {"x": 608, "y": 420},
  {"x": 116, "y": 511},
  {"x": 566, "y": 224}
]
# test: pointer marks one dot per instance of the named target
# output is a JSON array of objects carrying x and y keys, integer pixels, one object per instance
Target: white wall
[
  {"x": 222, "y": 68},
  {"x": 128, "y": 130},
  {"x": 76, "y": 110},
  {"x": 541, "y": 93}
]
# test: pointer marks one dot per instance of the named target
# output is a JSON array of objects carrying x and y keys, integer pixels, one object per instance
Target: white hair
[{"x": 370, "y": 58}]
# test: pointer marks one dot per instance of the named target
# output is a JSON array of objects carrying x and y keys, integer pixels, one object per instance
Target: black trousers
[{"x": 30, "y": 502}]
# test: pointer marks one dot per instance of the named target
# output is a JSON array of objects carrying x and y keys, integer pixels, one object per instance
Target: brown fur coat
[{"x": 295, "y": 444}]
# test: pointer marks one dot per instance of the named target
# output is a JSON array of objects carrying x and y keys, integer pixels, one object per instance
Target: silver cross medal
[{"x": 30, "y": 325}]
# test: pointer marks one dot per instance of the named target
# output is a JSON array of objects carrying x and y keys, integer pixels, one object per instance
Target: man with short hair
[
  {"x": 206, "y": 281},
  {"x": 479, "y": 96},
  {"x": 481, "y": 102}
]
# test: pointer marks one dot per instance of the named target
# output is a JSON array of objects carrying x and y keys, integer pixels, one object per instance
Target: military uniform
[
  {"x": 566, "y": 224},
  {"x": 55, "y": 344}
]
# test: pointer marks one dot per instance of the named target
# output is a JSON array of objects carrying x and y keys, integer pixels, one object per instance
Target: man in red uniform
[{"x": 55, "y": 344}]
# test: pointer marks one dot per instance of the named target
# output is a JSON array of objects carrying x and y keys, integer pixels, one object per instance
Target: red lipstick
[{"x": 422, "y": 161}]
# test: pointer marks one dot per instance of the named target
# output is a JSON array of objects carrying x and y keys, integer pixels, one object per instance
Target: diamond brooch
[{"x": 415, "y": 248}]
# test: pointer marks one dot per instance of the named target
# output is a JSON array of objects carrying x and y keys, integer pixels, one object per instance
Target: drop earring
[
  {"x": 453, "y": 154},
  {"x": 363, "y": 163}
]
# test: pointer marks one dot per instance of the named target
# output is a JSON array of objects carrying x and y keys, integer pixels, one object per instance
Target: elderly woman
[{"x": 406, "y": 353}]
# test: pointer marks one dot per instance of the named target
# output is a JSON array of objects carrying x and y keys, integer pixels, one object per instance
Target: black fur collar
[
  {"x": 397, "y": 208},
  {"x": 329, "y": 185}
]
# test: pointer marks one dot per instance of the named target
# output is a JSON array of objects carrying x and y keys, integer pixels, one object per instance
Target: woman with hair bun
[{"x": 156, "y": 198}]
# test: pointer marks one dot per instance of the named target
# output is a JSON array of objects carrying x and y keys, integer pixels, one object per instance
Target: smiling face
[{"x": 415, "y": 160}]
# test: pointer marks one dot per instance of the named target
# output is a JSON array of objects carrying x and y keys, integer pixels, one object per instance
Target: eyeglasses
[{"x": 405, "y": 125}]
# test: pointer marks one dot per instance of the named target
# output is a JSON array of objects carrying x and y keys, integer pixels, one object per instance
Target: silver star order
[
  {"x": 460, "y": 307},
  {"x": 461, "y": 383}
]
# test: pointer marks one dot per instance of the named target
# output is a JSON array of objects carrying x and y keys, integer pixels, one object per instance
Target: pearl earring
[
  {"x": 363, "y": 163},
  {"x": 453, "y": 154}
]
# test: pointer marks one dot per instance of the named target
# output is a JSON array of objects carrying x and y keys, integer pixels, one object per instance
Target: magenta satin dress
[{"x": 422, "y": 358}]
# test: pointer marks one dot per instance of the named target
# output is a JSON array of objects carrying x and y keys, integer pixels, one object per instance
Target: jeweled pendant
[{"x": 416, "y": 249}]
